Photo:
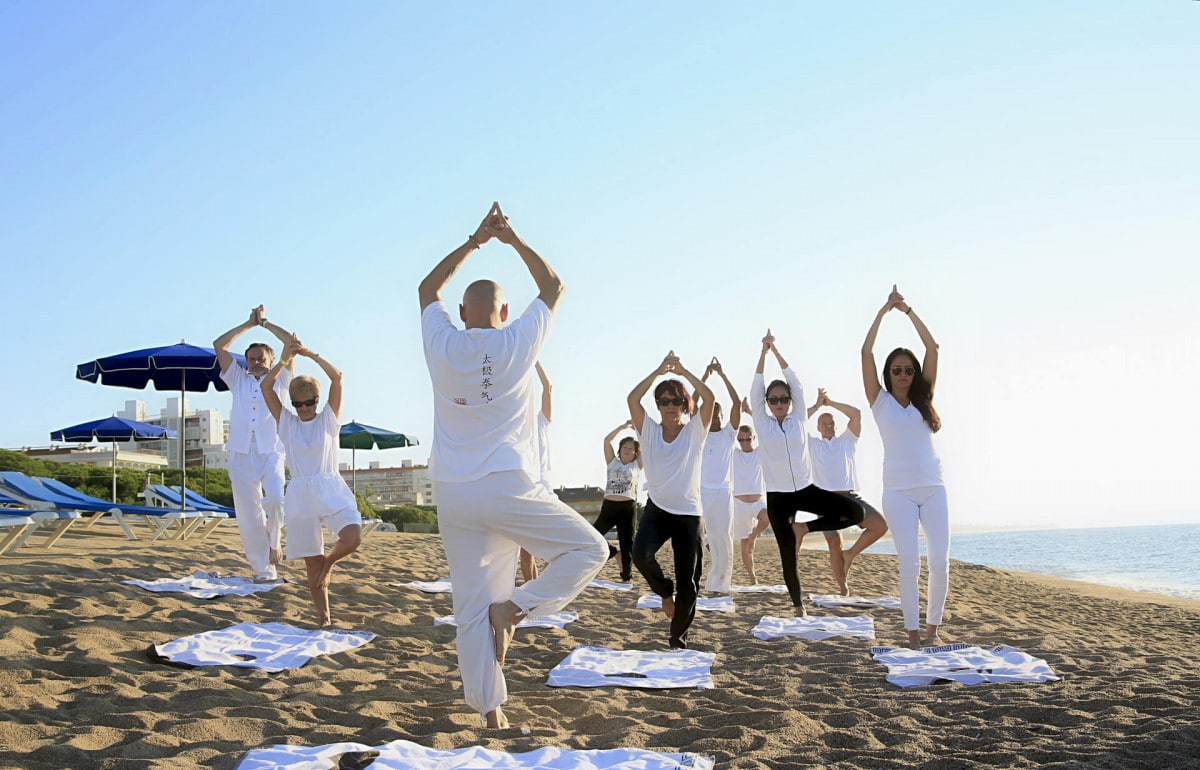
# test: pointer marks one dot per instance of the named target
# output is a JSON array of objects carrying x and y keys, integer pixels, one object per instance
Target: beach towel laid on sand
[
  {"x": 269, "y": 646},
  {"x": 760, "y": 589},
  {"x": 964, "y": 663},
  {"x": 858, "y": 602},
  {"x": 205, "y": 585},
  {"x": 816, "y": 628},
  {"x": 411, "y": 756},
  {"x": 602, "y": 667},
  {"x": 557, "y": 620},
  {"x": 431, "y": 587},
  {"x": 707, "y": 604},
  {"x": 610, "y": 585}
]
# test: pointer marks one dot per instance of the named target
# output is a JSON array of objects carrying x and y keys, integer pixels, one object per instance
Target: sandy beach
[{"x": 79, "y": 691}]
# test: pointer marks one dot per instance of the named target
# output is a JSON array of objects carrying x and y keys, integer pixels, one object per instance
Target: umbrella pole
[
  {"x": 353, "y": 470},
  {"x": 182, "y": 443},
  {"x": 114, "y": 470}
]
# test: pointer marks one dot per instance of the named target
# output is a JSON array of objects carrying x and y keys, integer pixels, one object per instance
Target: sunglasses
[
  {"x": 310, "y": 402},
  {"x": 773, "y": 400},
  {"x": 744, "y": 440},
  {"x": 898, "y": 370},
  {"x": 671, "y": 402}
]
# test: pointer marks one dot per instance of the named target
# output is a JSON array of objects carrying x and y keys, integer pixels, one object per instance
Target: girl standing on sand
[
  {"x": 316, "y": 494},
  {"x": 913, "y": 491},
  {"x": 783, "y": 447},
  {"x": 672, "y": 452},
  {"x": 620, "y": 495}
]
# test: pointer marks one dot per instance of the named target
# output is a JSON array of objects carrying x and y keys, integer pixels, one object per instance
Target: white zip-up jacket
[{"x": 782, "y": 448}]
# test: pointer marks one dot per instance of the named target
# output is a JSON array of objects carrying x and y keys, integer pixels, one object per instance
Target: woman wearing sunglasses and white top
[
  {"x": 913, "y": 491},
  {"x": 783, "y": 448}
]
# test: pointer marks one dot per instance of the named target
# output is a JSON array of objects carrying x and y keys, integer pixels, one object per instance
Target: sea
[{"x": 1159, "y": 559}]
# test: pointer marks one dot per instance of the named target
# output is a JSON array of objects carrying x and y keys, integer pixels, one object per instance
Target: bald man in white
[{"x": 485, "y": 466}]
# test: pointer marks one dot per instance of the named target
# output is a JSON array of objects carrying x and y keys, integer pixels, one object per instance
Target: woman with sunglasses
[
  {"x": 317, "y": 494},
  {"x": 620, "y": 495},
  {"x": 913, "y": 491},
  {"x": 783, "y": 446},
  {"x": 672, "y": 453}
]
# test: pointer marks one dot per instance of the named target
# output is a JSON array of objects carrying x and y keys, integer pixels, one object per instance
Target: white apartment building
[
  {"x": 204, "y": 432},
  {"x": 406, "y": 484}
]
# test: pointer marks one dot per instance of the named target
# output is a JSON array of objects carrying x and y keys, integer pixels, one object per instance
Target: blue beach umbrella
[
  {"x": 181, "y": 367},
  {"x": 354, "y": 436},
  {"x": 112, "y": 429}
]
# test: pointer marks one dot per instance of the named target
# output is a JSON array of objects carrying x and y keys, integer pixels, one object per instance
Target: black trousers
[
  {"x": 619, "y": 514},
  {"x": 834, "y": 511},
  {"x": 656, "y": 528}
]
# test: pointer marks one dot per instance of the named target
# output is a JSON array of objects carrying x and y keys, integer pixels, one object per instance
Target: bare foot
[
  {"x": 931, "y": 637},
  {"x": 914, "y": 640},
  {"x": 668, "y": 607},
  {"x": 495, "y": 719},
  {"x": 843, "y": 586},
  {"x": 275, "y": 556},
  {"x": 323, "y": 621},
  {"x": 504, "y": 617},
  {"x": 799, "y": 611},
  {"x": 847, "y": 559}
]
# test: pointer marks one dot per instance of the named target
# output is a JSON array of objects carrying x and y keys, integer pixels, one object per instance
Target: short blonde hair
[{"x": 304, "y": 385}]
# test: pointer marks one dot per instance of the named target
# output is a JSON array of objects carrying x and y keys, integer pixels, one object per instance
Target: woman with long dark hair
[
  {"x": 913, "y": 491},
  {"x": 624, "y": 471}
]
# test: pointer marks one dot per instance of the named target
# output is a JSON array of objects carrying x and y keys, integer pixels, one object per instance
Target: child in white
[
  {"x": 913, "y": 492},
  {"x": 316, "y": 495},
  {"x": 716, "y": 483}
]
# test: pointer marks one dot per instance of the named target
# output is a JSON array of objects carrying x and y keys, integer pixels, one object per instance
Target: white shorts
[
  {"x": 745, "y": 516},
  {"x": 310, "y": 503}
]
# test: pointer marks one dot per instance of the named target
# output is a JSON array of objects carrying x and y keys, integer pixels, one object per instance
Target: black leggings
[
  {"x": 656, "y": 528},
  {"x": 833, "y": 511},
  {"x": 619, "y": 514}
]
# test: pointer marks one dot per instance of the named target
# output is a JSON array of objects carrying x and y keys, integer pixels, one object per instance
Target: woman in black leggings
[
  {"x": 783, "y": 446},
  {"x": 620, "y": 494}
]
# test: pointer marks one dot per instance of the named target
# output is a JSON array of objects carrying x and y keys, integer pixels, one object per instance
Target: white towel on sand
[
  {"x": 557, "y": 620},
  {"x": 707, "y": 603},
  {"x": 760, "y": 589},
  {"x": 610, "y": 585},
  {"x": 964, "y": 663},
  {"x": 269, "y": 646},
  {"x": 602, "y": 667},
  {"x": 405, "y": 755},
  {"x": 205, "y": 585},
  {"x": 814, "y": 627},
  {"x": 834, "y": 600},
  {"x": 441, "y": 586}
]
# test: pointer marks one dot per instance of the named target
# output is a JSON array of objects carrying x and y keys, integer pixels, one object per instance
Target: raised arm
[
  {"x": 637, "y": 412},
  {"x": 281, "y": 334},
  {"x": 735, "y": 415},
  {"x": 286, "y": 359},
  {"x": 221, "y": 344},
  {"x": 822, "y": 400},
  {"x": 547, "y": 398},
  {"x": 430, "y": 290},
  {"x": 870, "y": 371},
  {"x": 550, "y": 286},
  {"x": 704, "y": 400},
  {"x": 852, "y": 413},
  {"x": 335, "y": 380},
  {"x": 609, "y": 453},
  {"x": 929, "y": 366}
]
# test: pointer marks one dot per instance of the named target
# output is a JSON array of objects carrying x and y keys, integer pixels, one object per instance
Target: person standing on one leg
[
  {"x": 317, "y": 494},
  {"x": 484, "y": 465},
  {"x": 833, "y": 469},
  {"x": 913, "y": 491},
  {"x": 256, "y": 455},
  {"x": 619, "y": 509},
  {"x": 716, "y": 483},
  {"x": 783, "y": 444},
  {"x": 529, "y": 568},
  {"x": 749, "y": 501},
  {"x": 673, "y": 452}
]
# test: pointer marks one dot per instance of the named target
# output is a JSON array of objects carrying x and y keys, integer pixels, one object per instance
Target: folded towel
[
  {"x": 205, "y": 585},
  {"x": 814, "y": 627},
  {"x": 557, "y": 620},
  {"x": 441, "y": 586},
  {"x": 964, "y": 663},
  {"x": 760, "y": 589},
  {"x": 269, "y": 646},
  {"x": 834, "y": 600},
  {"x": 610, "y": 585},
  {"x": 602, "y": 667},
  {"x": 707, "y": 604},
  {"x": 411, "y": 756}
]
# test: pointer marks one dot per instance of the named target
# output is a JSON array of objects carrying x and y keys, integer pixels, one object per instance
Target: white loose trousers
[
  {"x": 904, "y": 509},
  {"x": 483, "y": 524},
  {"x": 717, "y": 508},
  {"x": 259, "y": 519}
]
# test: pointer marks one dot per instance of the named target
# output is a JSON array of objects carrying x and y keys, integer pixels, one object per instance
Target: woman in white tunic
[
  {"x": 913, "y": 491},
  {"x": 316, "y": 495}
]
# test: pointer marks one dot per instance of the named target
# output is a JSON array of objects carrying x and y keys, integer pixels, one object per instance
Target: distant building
[
  {"x": 406, "y": 484},
  {"x": 129, "y": 455},
  {"x": 205, "y": 433}
]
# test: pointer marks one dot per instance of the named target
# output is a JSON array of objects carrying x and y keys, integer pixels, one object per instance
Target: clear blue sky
[{"x": 1027, "y": 172}]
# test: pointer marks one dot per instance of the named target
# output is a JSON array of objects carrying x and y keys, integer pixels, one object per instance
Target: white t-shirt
[
  {"x": 673, "y": 470},
  {"x": 623, "y": 479},
  {"x": 747, "y": 473},
  {"x": 312, "y": 446},
  {"x": 909, "y": 459},
  {"x": 783, "y": 449},
  {"x": 483, "y": 379},
  {"x": 716, "y": 472},
  {"x": 833, "y": 462},
  {"x": 250, "y": 420}
]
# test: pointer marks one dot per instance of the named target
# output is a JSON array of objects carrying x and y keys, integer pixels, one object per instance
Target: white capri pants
[
  {"x": 483, "y": 524},
  {"x": 904, "y": 509},
  {"x": 717, "y": 507},
  {"x": 259, "y": 519}
]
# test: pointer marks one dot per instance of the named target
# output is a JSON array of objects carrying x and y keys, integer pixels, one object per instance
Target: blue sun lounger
[
  {"x": 163, "y": 496},
  {"x": 56, "y": 521}
]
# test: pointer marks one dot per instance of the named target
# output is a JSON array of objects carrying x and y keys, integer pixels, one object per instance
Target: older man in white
[
  {"x": 485, "y": 466},
  {"x": 255, "y": 453}
]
